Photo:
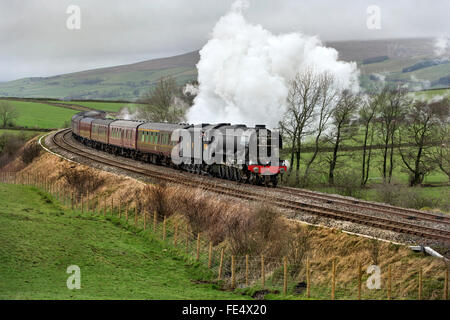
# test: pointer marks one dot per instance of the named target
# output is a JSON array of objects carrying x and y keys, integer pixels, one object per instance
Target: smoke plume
[
  {"x": 441, "y": 45},
  {"x": 244, "y": 71}
]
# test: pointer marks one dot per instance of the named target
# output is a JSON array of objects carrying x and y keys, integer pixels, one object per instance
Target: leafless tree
[
  {"x": 419, "y": 127},
  {"x": 303, "y": 97},
  {"x": 342, "y": 116},
  {"x": 440, "y": 154},
  {"x": 7, "y": 113},
  {"x": 160, "y": 103},
  {"x": 392, "y": 104},
  {"x": 325, "y": 107},
  {"x": 367, "y": 115}
]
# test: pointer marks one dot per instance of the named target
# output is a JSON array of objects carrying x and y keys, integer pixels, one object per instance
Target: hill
[
  {"x": 127, "y": 82},
  {"x": 40, "y": 239}
]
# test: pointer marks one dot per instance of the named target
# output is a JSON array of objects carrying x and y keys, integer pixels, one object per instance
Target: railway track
[
  {"x": 410, "y": 214},
  {"x": 60, "y": 139}
]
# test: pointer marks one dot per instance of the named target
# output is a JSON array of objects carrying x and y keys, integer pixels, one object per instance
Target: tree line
[{"x": 319, "y": 113}]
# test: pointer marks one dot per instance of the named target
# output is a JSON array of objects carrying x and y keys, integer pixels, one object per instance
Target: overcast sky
[{"x": 36, "y": 42}]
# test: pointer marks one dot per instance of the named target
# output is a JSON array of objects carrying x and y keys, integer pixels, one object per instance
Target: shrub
[
  {"x": 408, "y": 197},
  {"x": 9, "y": 145},
  {"x": 298, "y": 245},
  {"x": 413, "y": 198},
  {"x": 258, "y": 231},
  {"x": 156, "y": 198},
  {"x": 81, "y": 180},
  {"x": 348, "y": 183},
  {"x": 388, "y": 193},
  {"x": 30, "y": 152},
  {"x": 373, "y": 247}
]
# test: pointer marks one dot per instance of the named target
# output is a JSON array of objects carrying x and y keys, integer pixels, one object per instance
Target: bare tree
[
  {"x": 440, "y": 154},
  {"x": 303, "y": 96},
  {"x": 7, "y": 113},
  {"x": 392, "y": 104},
  {"x": 342, "y": 121},
  {"x": 367, "y": 115},
  {"x": 160, "y": 103},
  {"x": 419, "y": 125},
  {"x": 326, "y": 104}
]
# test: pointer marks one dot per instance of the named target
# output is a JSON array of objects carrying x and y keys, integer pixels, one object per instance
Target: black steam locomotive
[{"x": 233, "y": 152}]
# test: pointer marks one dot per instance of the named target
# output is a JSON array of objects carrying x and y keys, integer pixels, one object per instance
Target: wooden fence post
[
  {"x": 104, "y": 206},
  {"x": 82, "y": 204},
  {"x": 221, "y": 264},
  {"x": 420, "y": 283},
  {"x": 154, "y": 221},
  {"x": 359, "y": 280},
  {"x": 246, "y": 270},
  {"x": 135, "y": 216},
  {"x": 112, "y": 206},
  {"x": 210, "y": 254},
  {"x": 145, "y": 220},
  {"x": 187, "y": 239},
  {"x": 389, "y": 293},
  {"x": 164, "y": 228},
  {"x": 126, "y": 213},
  {"x": 285, "y": 276},
  {"x": 120, "y": 209},
  {"x": 263, "y": 275},
  {"x": 308, "y": 283},
  {"x": 175, "y": 234},
  {"x": 333, "y": 279},
  {"x": 198, "y": 246},
  {"x": 233, "y": 276},
  {"x": 71, "y": 200},
  {"x": 445, "y": 297}
]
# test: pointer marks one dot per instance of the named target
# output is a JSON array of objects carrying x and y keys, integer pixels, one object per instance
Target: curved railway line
[{"x": 413, "y": 223}]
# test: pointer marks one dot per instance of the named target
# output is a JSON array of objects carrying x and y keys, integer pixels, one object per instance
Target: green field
[
  {"x": 428, "y": 94},
  {"x": 105, "y": 106},
  {"x": 39, "y": 240},
  {"x": 27, "y": 134},
  {"x": 348, "y": 172},
  {"x": 41, "y": 115}
]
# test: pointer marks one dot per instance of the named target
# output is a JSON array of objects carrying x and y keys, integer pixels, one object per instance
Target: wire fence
[{"x": 259, "y": 273}]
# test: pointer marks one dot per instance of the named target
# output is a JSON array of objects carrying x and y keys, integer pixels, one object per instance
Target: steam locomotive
[{"x": 158, "y": 143}]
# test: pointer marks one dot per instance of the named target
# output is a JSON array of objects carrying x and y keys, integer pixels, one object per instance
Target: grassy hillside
[
  {"x": 41, "y": 115},
  {"x": 27, "y": 134},
  {"x": 128, "y": 82},
  {"x": 106, "y": 106},
  {"x": 39, "y": 240}
]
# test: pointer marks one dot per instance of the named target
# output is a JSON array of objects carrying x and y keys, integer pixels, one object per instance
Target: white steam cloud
[
  {"x": 441, "y": 46},
  {"x": 244, "y": 71}
]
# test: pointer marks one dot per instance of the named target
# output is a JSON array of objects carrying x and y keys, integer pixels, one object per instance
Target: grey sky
[{"x": 35, "y": 41}]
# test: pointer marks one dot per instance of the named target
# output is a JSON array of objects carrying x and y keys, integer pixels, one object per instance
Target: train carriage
[
  {"x": 151, "y": 142},
  {"x": 100, "y": 130},
  {"x": 75, "y": 123},
  {"x": 154, "y": 140},
  {"x": 85, "y": 128},
  {"x": 122, "y": 137}
]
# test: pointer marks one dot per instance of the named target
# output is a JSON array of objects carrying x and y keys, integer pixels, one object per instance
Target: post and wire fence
[{"x": 263, "y": 273}]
